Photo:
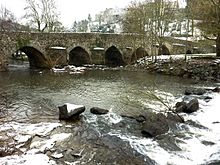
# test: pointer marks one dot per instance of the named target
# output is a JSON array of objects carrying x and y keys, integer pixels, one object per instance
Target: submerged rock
[
  {"x": 99, "y": 111},
  {"x": 195, "y": 91},
  {"x": 208, "y": 143},
  {"x": 91, "y": 145},
  {"x": 175, "y": 117},
  {"x": 115, "y": 150},
  {"x": 168, "y": 142},
  {"x": 128, "y": 116},
  {"x": 69, "y": 111}
]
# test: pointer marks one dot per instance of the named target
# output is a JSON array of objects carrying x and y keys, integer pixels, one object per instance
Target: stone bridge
[{"x": 46, "y": 50}]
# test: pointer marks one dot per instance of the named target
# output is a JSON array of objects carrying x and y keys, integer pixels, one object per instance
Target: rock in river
[
  {"x": 156, "y": 124},
  {"x": 69, "y": 111},
  {"x": 98, "y": 111},
  {"x": 180, "y": 106},
  {"x": 189, "y": 107},
  {"x": 192, "y": 106}
]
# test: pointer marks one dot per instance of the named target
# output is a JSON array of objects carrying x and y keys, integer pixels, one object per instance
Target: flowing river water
[{"x": 108, "y": 139}]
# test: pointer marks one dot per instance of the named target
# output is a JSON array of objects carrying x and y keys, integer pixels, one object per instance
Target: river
[{"x": 34, "y": 96}]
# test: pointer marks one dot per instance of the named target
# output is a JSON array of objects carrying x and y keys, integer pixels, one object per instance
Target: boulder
[
  {"x": 69, "y": 111},
  {"x": 99, "y": 111},
  {"x": 180, "y": 107},
  {"x": 155, "y": 124},
  {"x": 192, "y": 106}
]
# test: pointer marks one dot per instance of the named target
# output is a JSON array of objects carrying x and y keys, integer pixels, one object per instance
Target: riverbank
[
  {"x": 204, "y": 69},
  {"x": 196, "y": 67}
]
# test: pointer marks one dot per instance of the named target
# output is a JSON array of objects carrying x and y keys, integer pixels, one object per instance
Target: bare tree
[
  {"x": 6, "y": 14},
  {"x": 162, "y": 14},
  {"x": 135, "y": 18},
  {"x": 43, "y": 15},
  {"x": 151, "y": 18},
  {"x": 7, "y": 19}
]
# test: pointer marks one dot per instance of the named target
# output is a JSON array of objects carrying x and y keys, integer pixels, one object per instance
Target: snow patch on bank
[
  {"x": 27, "y": 159},
  {"x": 22, "y": 132},
  {"x": 50, "y": 143}
]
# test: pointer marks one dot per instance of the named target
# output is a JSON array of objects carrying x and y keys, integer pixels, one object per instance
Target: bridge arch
[
  {"x": 113, "y": 57},
  {"x": 188, "y": 51},
  {"x": 79, "y": 56},
  {"x": 36, "y": 58},
  {"x": 164, "y": 50},
  {"x": 139, "y": 53}
]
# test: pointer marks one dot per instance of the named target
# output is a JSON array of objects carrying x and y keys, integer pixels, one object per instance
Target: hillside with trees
[
  {"x": 151, "y": 18},
  {"x": 164, "y": 18}
]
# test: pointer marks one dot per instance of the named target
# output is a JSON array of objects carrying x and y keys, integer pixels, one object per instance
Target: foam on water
[
  {"x": 199, "y": 145},
  {"x": 112, "y": 118}
]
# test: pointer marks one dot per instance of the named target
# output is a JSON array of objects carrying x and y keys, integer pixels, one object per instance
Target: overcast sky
[{"x": 70, "y": 10}]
